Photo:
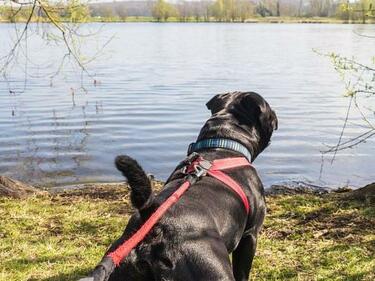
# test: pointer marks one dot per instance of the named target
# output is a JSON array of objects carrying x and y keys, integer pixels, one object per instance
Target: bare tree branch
[
  {"x": 42, "y": 12},
  {"x": 359, "y": 79}
]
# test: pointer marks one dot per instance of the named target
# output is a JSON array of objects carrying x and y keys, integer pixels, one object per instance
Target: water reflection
[{"x": 52, "y": 146}]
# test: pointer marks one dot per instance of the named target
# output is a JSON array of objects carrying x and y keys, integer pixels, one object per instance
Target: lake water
[{"x": 149, "y": 102}]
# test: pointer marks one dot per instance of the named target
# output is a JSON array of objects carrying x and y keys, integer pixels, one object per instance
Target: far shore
[{"x": 132, "y": 19}]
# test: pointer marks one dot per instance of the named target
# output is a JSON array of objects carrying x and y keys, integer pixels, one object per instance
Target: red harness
[{"x": 196, "y": 169}]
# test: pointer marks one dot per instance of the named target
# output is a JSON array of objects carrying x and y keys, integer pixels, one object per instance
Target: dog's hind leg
[
  {"x": 243, "y": 255},
  {"x": 204, "y": 259}
]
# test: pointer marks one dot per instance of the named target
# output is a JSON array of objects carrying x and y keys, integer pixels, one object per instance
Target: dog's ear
[
  {"x": 275, "y": 121},
  {"x": 218, "y": 103},
  {"x": 268, "y": 119},
  {"x": 246, "y": 108},
  {"x": 251, "y": 108}
]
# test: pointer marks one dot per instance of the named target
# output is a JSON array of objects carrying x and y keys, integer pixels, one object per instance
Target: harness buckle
[
  {"x": 202, "y": 167},
  {"x": 196, "y": 165}
]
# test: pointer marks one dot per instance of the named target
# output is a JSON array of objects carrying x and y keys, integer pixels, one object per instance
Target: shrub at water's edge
[{"x": 306, "y": 236}]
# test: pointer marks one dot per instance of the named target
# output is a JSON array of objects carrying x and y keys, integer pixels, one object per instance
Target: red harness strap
[
  {"x": 230, "y": 163},
  {"x": 214, "y": 171},
  {"x": 232, "y": 184}
]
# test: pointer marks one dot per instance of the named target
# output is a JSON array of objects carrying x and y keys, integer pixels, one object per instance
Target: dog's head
[{"x": 252, "y": 114}]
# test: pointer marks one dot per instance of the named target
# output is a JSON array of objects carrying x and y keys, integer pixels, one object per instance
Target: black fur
[{"x": 192, "y": 242}]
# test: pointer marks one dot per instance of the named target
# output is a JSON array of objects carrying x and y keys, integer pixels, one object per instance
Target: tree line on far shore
[
  {"x": 204, "y": 10},
  {"x": 242, "y": 10}
]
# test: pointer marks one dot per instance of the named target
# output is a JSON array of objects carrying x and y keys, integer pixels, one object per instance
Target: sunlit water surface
[{"x": 153, "y": 81}]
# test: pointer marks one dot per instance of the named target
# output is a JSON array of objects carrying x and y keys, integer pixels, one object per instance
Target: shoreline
[
  {"x": 287, "y": 188},
  {"x": 291, "y": 187}
]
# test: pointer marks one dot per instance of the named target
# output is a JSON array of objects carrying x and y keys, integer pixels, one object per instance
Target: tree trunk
[
  {"x": 300, "y": 8},
  {"x": 278, "y": 8}
]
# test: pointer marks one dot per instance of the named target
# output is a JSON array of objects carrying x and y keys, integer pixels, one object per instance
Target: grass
[
  {"x": 305, "y": 237},
  {"x": 309, "y": 237}
]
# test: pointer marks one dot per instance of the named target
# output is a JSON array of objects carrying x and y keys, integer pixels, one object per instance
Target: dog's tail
[{"x": 141, "y": 191}]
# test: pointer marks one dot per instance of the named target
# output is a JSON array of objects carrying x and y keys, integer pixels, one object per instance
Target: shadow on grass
[
  {"x": 336, "y": 218},
  {"x": 71, "y": 276},
  {"x": 24, "y": 262}
]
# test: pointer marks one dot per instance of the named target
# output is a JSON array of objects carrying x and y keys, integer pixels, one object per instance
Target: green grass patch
[{"x": 305, "y": 237}]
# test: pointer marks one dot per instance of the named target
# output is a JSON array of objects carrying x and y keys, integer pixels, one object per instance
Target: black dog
[{"x": 194, "y": 238}]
